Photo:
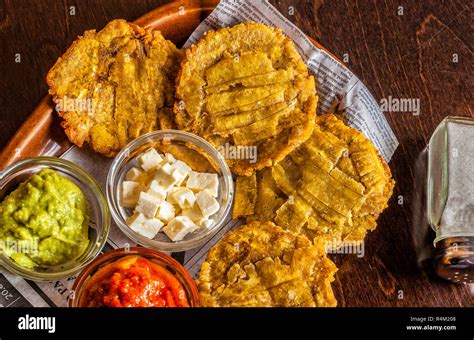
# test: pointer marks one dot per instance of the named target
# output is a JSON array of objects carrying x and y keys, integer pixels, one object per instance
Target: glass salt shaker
[{"x": 450, "y": 198}]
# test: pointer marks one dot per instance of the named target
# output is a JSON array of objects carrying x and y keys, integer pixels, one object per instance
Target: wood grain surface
[{"x": 403, "y": 49}]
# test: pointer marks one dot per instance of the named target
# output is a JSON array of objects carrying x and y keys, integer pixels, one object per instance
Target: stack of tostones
[
  {"x": 246, "y": 86},
  {"x": 331, "y": 189},
  {"x": 313, "y": 179},
  {"x": 113, "y": 85},
  {"x": 260, "y": 264}
]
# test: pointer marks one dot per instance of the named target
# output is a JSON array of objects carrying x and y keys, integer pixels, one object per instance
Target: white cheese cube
[
  {"x": 199, "y": 181},
  {"x": 183, "y": 167},
  {"x": 147, "y": 205},
  {"x": 207, "y": 203},
  {"x": 135, "y": 175},
  {"x": 167, "y": 176},
  {"x": 194, "y": 213},
  {"x": 149, "y": 228},
  {"x": 154, "y": 189},
  {"x": 130, "y": 193},
  {"x": 206, "y": 223},
  {"x": 150, "y": 159},
  {"x": 179, "y": 227},
  {"x": 169, "y": 158},
  {"x": 167, "y": 169},
  {"x": 165, "y": 211},
  {"x": 180, "y": 176},
  {"x": 170, "y": 197},
  {"x": 136, "y": 220},
  {"x": 183, "y": 197}
]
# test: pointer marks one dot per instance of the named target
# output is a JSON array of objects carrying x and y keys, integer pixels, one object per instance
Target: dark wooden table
[{"x": 404, "y": 49}]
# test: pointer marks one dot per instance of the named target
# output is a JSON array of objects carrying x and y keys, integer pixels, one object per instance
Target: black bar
[{"x": 318, "y": 323}]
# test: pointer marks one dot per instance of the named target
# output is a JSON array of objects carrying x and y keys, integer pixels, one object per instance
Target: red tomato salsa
[{"x": 134, "y": 281}]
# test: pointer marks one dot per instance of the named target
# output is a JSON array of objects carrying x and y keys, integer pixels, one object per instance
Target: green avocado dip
[{"x": 45, "y": 221}]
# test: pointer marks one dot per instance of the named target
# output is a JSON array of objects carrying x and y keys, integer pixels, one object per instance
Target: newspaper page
[{"x": 338, "y": 89}]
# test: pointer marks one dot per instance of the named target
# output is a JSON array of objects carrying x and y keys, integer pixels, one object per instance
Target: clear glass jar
[
  {"x": 163, "y": 260},
  {"x": 99, "y": 215},
  {"x": 126, "y": 159},
  {"x": 450, "y": 197}
]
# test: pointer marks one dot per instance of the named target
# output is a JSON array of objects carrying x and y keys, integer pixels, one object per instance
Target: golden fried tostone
[
  {"x": 332, "y": 188},
  {"x": 114, "y": 85},
  {"x": 245, "y": 198},
  {"x": 246, "y": 86},
  {"x": 260, "y": 264}
]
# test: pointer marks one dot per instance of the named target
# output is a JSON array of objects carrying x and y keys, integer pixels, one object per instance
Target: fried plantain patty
[
  {"x": 246, "y": 86},
  {"x": 332, "y": 188},
  {"x": 262, "y": 265},
  {"x": 127, "y": 73}
]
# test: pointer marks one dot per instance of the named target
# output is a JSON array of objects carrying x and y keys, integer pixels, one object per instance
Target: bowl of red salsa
[{"x": 134, "y": 277}]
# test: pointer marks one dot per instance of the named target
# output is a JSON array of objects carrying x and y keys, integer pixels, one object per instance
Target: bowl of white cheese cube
[{"x": 170, "y": 190}]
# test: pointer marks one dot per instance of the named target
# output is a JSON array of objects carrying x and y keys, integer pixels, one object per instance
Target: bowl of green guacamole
[{"x": 54, "y": 218}]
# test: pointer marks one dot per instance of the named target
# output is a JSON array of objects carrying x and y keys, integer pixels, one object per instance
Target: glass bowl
[
  {"x": 99, "y": 224},
  {"x": 162, "y": 259},
  {"x": 170, "y": 141}
]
